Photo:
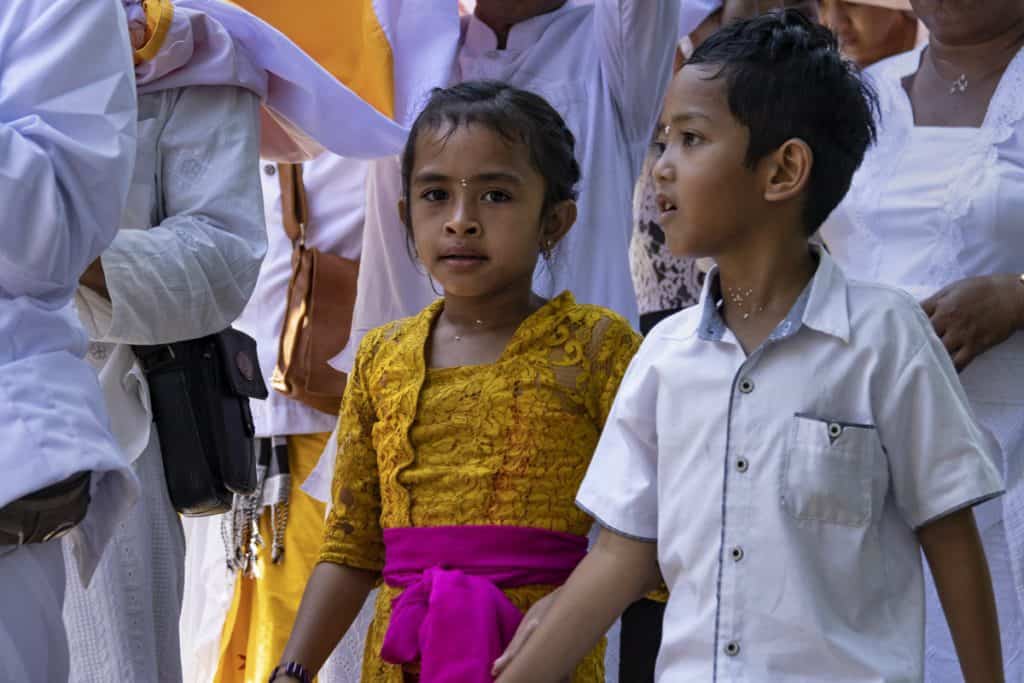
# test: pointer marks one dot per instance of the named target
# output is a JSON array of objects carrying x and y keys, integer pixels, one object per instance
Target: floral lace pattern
[
  {"x": 663, "y": 282},
  {"x": 501, "y": 444}
]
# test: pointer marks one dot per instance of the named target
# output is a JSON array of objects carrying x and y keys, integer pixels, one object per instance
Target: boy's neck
[{"x": 760, "y": 283}]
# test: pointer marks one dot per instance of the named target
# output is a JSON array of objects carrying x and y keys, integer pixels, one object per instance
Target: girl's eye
[
  {"x": 434, "y": 195},
  {"x": 690, "y": 139},
  {"x": 496, "y": 196}
]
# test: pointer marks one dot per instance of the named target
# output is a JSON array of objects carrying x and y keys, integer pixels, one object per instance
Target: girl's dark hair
[
  {"x": 785, "y": 78},
  {"x": 518, "y": 116}
]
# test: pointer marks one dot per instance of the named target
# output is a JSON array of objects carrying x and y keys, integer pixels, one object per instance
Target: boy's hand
[{"x": 527, "y": 626}]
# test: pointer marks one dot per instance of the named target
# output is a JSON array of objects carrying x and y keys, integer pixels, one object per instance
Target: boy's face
[{"x": 707, "y": 195}]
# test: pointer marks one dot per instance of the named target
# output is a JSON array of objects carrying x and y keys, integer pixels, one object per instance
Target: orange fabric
[
  {"x": 159, "y": 14},
  {"x": 345, "y": 37}
]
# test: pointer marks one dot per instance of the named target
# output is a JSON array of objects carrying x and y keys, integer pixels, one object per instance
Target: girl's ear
[{"x": 557, "y": 221}]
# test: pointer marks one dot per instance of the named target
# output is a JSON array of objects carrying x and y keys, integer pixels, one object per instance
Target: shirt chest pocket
[{"x": 828, "y": 471}]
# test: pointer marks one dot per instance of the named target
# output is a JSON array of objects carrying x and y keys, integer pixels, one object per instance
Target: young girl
[{"x": 466, "y": 429}]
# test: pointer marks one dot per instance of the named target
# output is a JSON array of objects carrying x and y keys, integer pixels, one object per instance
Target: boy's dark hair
[
  {"x": 785, "y": 78},
  {"x": 518, "y": 116}
]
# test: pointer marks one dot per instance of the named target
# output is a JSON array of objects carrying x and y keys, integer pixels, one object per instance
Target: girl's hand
[
  {"x": 973, "y": 315},
  {"x": 527, "y": 626}
]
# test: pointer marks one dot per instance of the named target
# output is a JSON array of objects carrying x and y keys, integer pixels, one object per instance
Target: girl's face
[
  {"x": 867, "y": 33},
  {"x": 475, "y": 208}
]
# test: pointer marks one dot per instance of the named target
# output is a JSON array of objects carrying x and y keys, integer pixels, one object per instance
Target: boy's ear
[
  {"x": 401, "y": 212},
  {"x": 789, "y": 170},
  {"x": 557, "y": 221}
]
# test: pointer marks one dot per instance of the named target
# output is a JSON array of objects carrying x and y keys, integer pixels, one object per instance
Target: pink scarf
[{"x": 453, "y": 616}]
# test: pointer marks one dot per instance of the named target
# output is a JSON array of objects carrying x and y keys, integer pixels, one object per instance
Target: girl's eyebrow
[{"x": 426, "y": 177}]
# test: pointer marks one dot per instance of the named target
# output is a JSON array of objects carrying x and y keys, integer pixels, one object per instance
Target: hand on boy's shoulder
[{"x": 973, "y": 315}]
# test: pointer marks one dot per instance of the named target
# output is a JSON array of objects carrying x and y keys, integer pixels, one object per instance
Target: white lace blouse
[{"x": 931, "y": 206}]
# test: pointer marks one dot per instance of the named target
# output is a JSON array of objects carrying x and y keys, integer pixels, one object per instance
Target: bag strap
[{"x": 294, "y": 203}]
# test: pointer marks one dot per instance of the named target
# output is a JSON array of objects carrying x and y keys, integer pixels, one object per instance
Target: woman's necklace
[
  {"x": 739, "y": 297},
  {"x": 961, "y": 83}
]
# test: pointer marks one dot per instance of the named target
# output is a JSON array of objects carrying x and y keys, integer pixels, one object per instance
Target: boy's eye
[
  {"x": 658, "y": 147},
  {"x": 496, "y": 196},
  {"x": 434, "y": 195},
  {"x": 690, "y": 139}
]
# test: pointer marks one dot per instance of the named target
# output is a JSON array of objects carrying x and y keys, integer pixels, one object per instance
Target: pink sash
[{"x": 453, "y": 616}]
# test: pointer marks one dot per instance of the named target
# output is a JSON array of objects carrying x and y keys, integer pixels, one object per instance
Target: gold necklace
[
  {"x": 738, "y": 297},
  {"x": 477, "y": 323}
]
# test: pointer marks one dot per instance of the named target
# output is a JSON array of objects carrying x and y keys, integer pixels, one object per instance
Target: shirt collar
[
  {"x": 480, "y": 38},
  {"x": 821, "y": 306}
]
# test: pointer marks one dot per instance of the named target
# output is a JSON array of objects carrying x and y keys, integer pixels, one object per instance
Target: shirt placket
[{"x": 737, "y": 493}]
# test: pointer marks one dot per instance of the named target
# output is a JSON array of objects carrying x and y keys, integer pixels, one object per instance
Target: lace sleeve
[
  {"x": 612, "y": 346},
  {"x": 353, "y": 535}
]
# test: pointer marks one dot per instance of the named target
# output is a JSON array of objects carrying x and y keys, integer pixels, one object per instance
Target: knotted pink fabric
[{"x": 452, "y": 615}]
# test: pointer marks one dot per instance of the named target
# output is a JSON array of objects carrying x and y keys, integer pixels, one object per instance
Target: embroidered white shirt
[{"x": 784, "y": 501}]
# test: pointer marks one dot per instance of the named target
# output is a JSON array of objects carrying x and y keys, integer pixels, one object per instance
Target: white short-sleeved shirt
[{"x": 784, "y": 501}]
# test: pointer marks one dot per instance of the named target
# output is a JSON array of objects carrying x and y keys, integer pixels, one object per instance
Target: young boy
[{"x": 787, "y": 508}]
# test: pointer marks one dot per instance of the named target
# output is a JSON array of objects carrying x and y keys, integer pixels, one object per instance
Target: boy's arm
[
  {"x": 957, "y": 561},
  {"x": 614, "y": 574}
]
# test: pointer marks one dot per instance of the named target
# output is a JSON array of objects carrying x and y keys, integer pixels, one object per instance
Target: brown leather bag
[{"x": 321, "y": 296}]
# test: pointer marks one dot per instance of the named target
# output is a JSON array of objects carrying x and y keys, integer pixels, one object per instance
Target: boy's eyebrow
[
  {"x": 687, "y": 116},
  {"x": 489, "y": 177}
]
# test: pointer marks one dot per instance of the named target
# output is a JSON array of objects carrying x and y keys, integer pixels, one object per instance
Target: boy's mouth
[{"x": 665, "y": 205}]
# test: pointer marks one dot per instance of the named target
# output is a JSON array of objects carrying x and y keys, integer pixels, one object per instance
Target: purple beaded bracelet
[{"x": 293, "y": 669}]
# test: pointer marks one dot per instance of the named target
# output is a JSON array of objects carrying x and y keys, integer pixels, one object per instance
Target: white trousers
[
  {"x": 124, "y": 626},
  {"x": 33, "y": 644}
]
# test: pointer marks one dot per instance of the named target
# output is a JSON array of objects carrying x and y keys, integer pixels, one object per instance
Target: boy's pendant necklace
[{"x": 738, "y": 297}]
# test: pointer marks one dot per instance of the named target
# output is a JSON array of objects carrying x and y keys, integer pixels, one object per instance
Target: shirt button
[
  {"x": 732, "y": 648},
  {"x": 736, "y": 553},
  {"x": 835, "y": 430},
  {"x": 742, "y": 465},
  {"x": 746, "y": 385},
  {"x": 270, "y": 169}
]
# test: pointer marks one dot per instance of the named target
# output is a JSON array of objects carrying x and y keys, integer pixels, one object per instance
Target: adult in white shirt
[
  {"x": 936, "y": 209},
  {"x": 267, "y": 592},
  {"x": 593, "y": 61},
  {"x": 182, "y": 265},
  {"x": 67, "y": 138}
]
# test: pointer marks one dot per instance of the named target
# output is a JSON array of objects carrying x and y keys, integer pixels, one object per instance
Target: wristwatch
[{"x": 293, "y": 669}]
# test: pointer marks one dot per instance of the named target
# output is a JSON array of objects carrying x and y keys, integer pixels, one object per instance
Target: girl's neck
[{"x": 507, "y": 308}]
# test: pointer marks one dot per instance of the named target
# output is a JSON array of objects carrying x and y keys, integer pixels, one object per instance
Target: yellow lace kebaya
[{"x": 506, "y": 443}]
